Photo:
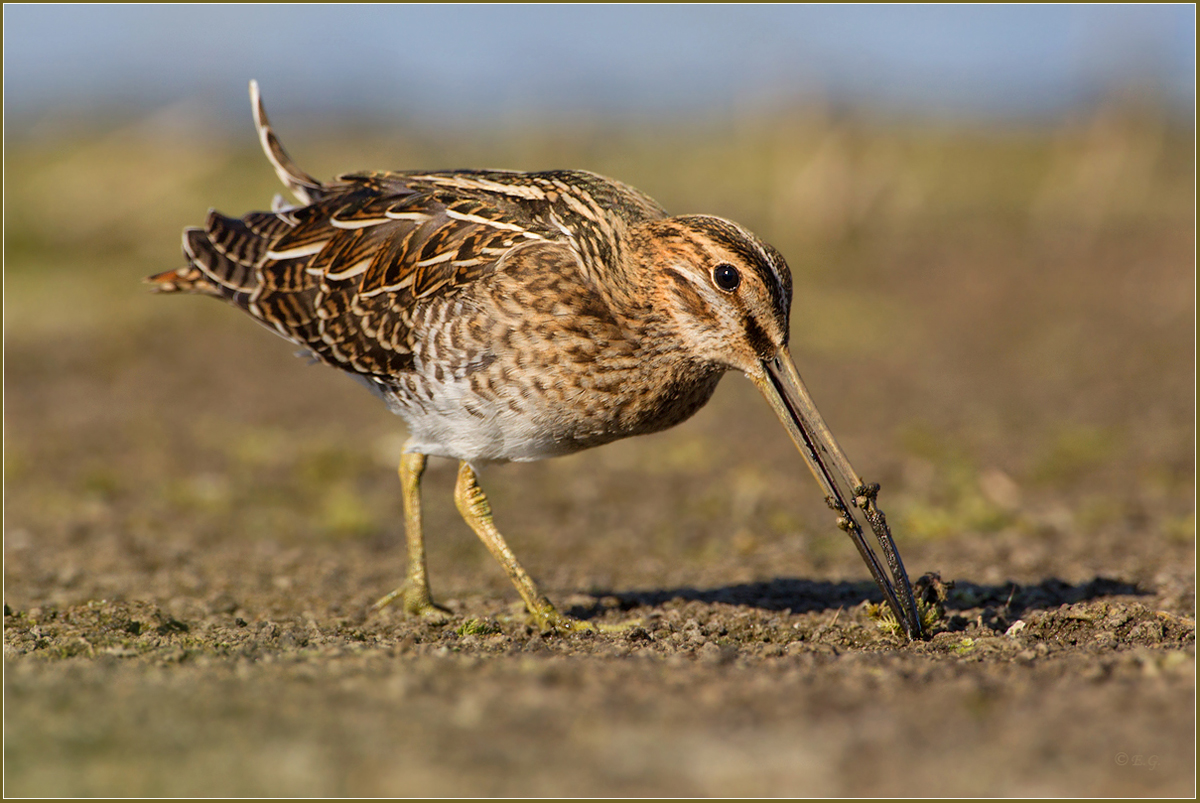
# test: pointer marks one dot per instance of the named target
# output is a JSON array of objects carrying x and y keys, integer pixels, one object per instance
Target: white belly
[{"x": 459, "y": 424}]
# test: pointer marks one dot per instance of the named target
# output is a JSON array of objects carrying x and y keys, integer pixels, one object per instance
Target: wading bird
[{"x": 516, "y": 316}]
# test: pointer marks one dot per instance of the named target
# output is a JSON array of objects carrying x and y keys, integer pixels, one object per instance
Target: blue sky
[{"x": 479, "y": 62}]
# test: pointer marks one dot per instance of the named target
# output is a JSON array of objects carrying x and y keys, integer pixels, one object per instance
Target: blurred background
[
  {"x": 474, "y": 65},
  {"x": 989, "y": 212}
]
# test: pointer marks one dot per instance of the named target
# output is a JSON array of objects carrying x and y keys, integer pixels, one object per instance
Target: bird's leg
[
  {"x": 415, "y": 590},
  {"x": 474, "y": 507}
]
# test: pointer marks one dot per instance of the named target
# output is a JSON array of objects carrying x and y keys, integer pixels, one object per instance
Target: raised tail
[
  {"x": 306, "y": 188},
  {"x": 222, "y": 256}
]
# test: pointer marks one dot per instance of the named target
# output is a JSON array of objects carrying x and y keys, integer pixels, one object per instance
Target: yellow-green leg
[
  {"x": 415, "y": 590},
  {"x": 474, "y": 507}
]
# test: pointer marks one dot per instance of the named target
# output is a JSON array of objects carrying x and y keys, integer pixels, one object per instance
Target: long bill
[{"x": 780, "y": 383}]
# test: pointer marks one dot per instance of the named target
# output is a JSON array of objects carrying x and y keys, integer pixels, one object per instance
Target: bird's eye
[{"x": 727, "y": 277}]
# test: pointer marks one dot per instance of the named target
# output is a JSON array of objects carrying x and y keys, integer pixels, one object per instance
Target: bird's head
[
  {"x": 729, "y": 296},
  {"x": 727, "y": 292}
]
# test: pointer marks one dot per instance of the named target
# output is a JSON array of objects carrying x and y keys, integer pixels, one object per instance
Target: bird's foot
[
  {"x": 549, "y": 620},
  {"x": 417, "y": 602}
]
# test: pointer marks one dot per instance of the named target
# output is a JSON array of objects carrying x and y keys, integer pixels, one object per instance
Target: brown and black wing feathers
[{"x": 345, "y": 273}]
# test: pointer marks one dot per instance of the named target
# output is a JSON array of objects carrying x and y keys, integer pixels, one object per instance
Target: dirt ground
[{"x": 998, "y": 326}]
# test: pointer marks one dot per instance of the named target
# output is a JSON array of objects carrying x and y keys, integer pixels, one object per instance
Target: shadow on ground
[{"x": 795, "y": 595}]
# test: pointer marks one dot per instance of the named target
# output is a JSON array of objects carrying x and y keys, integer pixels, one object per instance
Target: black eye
[{"x": 727, "y": 277}]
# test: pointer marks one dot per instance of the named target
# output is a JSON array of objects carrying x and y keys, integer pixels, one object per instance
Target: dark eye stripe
[
  {"x": 688, "y": 295},
  {"x": 758, "y": 339}
]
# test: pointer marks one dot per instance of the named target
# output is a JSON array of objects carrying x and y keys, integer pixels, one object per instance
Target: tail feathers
[
  {"x": 306, "y": 188},
  {"x": 221, "y": 261},
  {"x": 189, "y": 279},
  {"x": 222, "y": 256}
]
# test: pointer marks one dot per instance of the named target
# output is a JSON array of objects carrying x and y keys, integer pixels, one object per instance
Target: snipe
[{"x": 516, "y": 316}]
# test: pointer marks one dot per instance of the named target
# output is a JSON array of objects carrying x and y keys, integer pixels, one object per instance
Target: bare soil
[{"x": 196, "y": 522}]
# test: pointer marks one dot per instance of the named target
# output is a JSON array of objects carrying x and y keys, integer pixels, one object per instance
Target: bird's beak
[{"x": 780, "y": 383}]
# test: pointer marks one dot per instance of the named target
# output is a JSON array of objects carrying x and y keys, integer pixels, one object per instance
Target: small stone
[
  {"x": 637, "y": 634},
  {"x": 1147, "y": 631}
]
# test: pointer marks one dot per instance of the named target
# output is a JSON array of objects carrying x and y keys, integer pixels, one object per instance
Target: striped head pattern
[{"x": 729, "y": 293}]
